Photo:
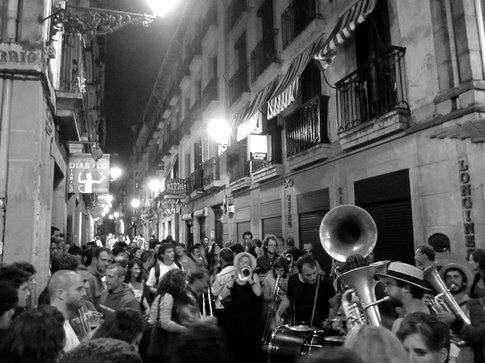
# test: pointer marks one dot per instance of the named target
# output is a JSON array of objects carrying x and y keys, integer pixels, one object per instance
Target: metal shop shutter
[
  {"x": 309, "y": 232},
  {"x": 241, "y": 228},
  {"x": 272, "y": 226}
]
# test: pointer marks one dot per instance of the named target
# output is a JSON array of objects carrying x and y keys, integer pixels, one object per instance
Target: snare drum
[{"x": 287, "y": 344}]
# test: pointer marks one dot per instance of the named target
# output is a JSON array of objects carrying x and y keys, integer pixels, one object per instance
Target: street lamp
[
  {"x": 155, "y": 185},
  {"x": 161, "y": 7},
  {"x": 219, "y": 131},
  {"x": 135, "y": 203},
  {"x": 115, "y": 172}
]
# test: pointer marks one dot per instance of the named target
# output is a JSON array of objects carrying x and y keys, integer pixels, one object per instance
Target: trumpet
[
  {"x": 289, "y": 258},
  {"x": 245, "y": 274}
]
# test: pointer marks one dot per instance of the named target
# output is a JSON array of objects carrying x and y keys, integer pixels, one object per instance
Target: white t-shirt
[
  {"x": 152, "y": 280},
  {"x": 71, "y": 339}
]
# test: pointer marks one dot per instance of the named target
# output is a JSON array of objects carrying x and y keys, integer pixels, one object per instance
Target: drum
[{"x": 287, "y": 343}]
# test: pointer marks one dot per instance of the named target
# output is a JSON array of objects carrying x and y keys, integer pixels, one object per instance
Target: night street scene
[{"x": 242, "y": 181}]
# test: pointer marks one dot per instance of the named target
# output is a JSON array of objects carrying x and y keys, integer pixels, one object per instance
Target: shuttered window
[
  {"x": 309, "y": 233},
  {"x": 272, "y": 226}
]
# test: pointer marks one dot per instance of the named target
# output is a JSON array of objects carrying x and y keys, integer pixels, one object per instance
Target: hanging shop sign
[
  {"x": 466, "y": 203},
  {"x": 15, "y": 57},
  {"x": 258, "y": 147},
  {"x": 87, "y": 176}
]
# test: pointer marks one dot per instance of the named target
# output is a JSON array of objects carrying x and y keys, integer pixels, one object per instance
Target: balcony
[
  {"x": 306, "y": 132},
  {"x": 211, "y": 174},
  {"x": 372, "y": 101},
  {"x": 235, "y": 10},
  {"x": 196, "y": 182},
  {"x": 296, "y": 17},
  {"x": 239, "y": 173},
  {"x": 176, "y": 188},
  {"x": 238, "y": 84},
  {"x": 262, "y": 57},
  {"x": 210, "y": 93},
  {"x": 262, "y": 170}
]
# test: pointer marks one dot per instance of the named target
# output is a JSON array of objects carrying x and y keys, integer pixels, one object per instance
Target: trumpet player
[{"x": 456, "y": 278}]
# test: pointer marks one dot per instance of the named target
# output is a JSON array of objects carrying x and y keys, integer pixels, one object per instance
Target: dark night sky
[{"x": 133, "y": 59}]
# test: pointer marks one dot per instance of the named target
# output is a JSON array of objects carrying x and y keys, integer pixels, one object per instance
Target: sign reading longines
[{"x": 86, "y": 175}]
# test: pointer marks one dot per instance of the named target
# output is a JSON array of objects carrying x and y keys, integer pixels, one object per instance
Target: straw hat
[
  {"x": 244, "y": 254},
  {"x": 406, "y": 273},
  {"x": 464, "y": 269}
]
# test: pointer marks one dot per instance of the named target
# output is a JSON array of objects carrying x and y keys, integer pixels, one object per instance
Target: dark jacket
[
  {"x": 122, "y": 297},
  {"x": 474, "y": 334},
  {"x": 96, "y": 286}
]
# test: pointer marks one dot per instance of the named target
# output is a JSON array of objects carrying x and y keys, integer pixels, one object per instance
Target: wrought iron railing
[
  {"x": 259, "y": 164},
  {"x": 307, "y": 126},
  {"x": 196, "y": 180},
  {"x": 210, "y": 92},
  {"x": 262, "y": 56},
  {"x": 372, "y": 90},
  {"x": 238, "y": 169},
  {"x": 177, "y": 186},
  {"x": 238, "y": 83},
  {"x": 296, "y": 17},
  {"x": 211, "y": 170},
  {"x": 236, "y": 8}
]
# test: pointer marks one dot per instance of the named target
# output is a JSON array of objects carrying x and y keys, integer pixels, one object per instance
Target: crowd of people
[{"x": 255, "y": 301}]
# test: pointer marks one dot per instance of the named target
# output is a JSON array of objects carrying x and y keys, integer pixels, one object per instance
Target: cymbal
[
  {"x": 342, "y": 318},
  {"x": 335, "y": 338},
  {"x": 302, "y": 328}
]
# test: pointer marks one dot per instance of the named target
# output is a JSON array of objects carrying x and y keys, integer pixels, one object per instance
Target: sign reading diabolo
[{"x": 86, "y": 175}]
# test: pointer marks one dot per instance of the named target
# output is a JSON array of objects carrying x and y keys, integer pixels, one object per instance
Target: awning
[
  {"x": 287, "y": 89},
  {"x": 346, "y": 24},
  {"x": 473, "y": 130}
]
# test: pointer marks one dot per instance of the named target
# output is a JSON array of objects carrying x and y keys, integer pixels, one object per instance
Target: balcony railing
[
  {"x": 196, "y": 180},
  {"x": 238, "y": 169},
  {"x": 211, "y": 92},
  {"x": 177, "y": 186},
  {"x": 238, "y": 84},
  {"x": 236, "y": 8},
  {"x": 372, "y": 90},
  {"x": 259, "y": 164},
  {"x": 296, "y": 17},
  {"x": 262, "y": 56},
  {"x": 211, "y": 170},
  {"x": 307, "y": 126}
]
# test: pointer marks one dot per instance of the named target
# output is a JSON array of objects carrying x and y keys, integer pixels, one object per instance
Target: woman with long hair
[
  {"x": 134, "y": 277},
  {"x": 214, "y": 259},
  {"x": 477, "y": 264},
  {"x": 265, "y": 262}
]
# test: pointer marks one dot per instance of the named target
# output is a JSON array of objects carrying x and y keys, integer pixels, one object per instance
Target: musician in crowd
[
  {"x": 227, "y": 274},
  {"x": 247, "y": 240},
  {"x": 275, "y": 286},
  {"x": 265, "y": 262},
  {"x": 456, "y": 278},
  {"x": 312, "y": 298},
  {"x": 197, "y": 284},
  {"x": 243, "y": 321},
  {"x": 424, "y": 257},
  {"x": 405, "y": 283},
  {"x": 477, "y": 264},
  {"x": 425, "y": 338}
]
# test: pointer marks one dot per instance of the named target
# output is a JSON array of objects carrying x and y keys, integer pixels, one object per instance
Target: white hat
[{"x": 407, "y": 273}]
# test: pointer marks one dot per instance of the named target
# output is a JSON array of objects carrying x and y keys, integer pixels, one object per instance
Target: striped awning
[
  {"x": 346, "y": 24},
  {"x": 287, "y": 88}
]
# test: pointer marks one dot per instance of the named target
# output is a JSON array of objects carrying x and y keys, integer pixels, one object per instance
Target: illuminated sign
[
  {"x": 87, "y": 176},
  {"x": 258, "y": 147}
]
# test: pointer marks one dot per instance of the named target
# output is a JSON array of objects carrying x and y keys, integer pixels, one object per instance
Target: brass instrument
[
  {"x": 289, "y": 258},
  {"x": 349, "y": 230},
  {"x": 245, "y": 274},
  {"x": 209, "y": 301}
]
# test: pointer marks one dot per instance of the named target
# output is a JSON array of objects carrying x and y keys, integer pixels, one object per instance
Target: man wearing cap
[
  {"x": 456, "y": 278},
  {"x": 424, "y": 257},
  {"x": 405, "y": 283}
]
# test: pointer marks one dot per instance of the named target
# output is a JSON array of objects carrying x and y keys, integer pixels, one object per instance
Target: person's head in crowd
[
  {"x": 204, "y": 241},
  {"x": 135, "y": 252},
  {"x": 290, "y": 242},
  {"x": 307, "y": 268},
  {"x": 87, "y": 255},
  {"x": 173, "y": 282},
  {"x": 424, "y": 257},
  {"x": 270, "y": 245},
  {"x": 375, "y": 344},
  {"x": 308, "y": 248},
  {"x": 247, "y": 238},
  {"x": 389, "y": 310},
  {"x": 134, "y": 271},
  {"x": 425, "y": 338},
  {"x": 19, "y": 280},
  {"x": 332, "y": 355},
  {"x": 169, "y": 238},
  {"x": 256, "y": 243},
  {"x": 56, "y": 247},
  {"x": 105, "y": 350},
  {"x": 237, "y": 248},
  {"x": 8, "y": 302},
  {"x": 187, "y": 309},
  {"x": 67, "y": 245},
  {"x": 65, "y": 261},
  {"x": 227, "y": 256},
  {"x": 180, "y": 250},
  {"x": 115, "y": 276},
  {"x": 30, "y": 269},
  {"x": 195, "y": 251},
  {"x": 117, "y": 250},
  {"x": 122, "y": 258},
  {"x": 456, "y": 278},
  {"x": 36, "y": 335},
  {"x": 198, "y": 280},
  {"x": 280, "y": 268},
  {"x": 215, "y": 249},
  {"x": 101, "y": 259},
  {"x": 132, "y": 245},
  {"x": 124, "y": 324},
  {"x": 166, "y": 253},
  {"x": 403, "y": 281},
  {"x": 477, "y": 260},
  {"x": 439, "y": 242},
  {"x": 66, "y": 290},
  {"x": 76, "y": 251},
  {"x": 203, "y": 343},
  {"x": 148, "y": 259}
]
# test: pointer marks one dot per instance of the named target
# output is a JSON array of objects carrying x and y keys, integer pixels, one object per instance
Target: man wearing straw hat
[{"x": 405, "y": 283}]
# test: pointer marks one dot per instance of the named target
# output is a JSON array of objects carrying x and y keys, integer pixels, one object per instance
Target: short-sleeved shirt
[
  {"x": 152, "y": 279},
  {"x": 301, "y": 296}
]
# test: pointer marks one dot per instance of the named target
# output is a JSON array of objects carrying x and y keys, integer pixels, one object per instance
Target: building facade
[{"x": 376, "y": 103}]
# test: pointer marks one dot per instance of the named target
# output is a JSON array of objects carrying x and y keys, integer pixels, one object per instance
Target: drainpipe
[{"x": 5, "y": 115}]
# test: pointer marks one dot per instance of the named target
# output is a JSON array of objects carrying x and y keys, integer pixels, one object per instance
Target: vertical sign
[
  {"x": 86, "y": 175},
  {"x": 466, "y": 203}
]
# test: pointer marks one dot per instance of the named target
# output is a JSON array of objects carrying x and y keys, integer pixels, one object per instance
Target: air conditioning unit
[{"x": 230, "y": 209}]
